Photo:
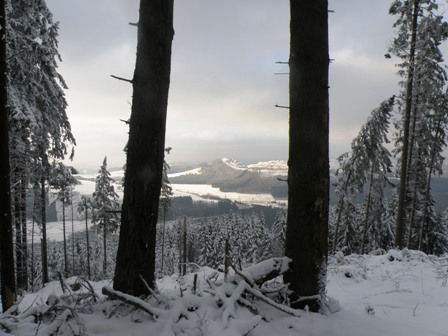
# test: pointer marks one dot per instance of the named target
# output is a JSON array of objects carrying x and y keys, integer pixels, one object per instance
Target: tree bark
[
  {"x": 8, "y": 287},
  {"x": 308, "y": 176},
  {"x": 43, "y": 214},
  {"x": 24, "y": 244},
  {"x": 401, "y": 215},
  {"x": 146, "y": 147},
  {"x": 65, "y": 239},
  {"x": 104, "y": 250},
  {"x": 87, "y": 241},
  {"x": 366, "y": 219}
]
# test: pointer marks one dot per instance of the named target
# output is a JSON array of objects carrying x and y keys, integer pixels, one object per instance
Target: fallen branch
[
  {"x": 133, "y": 301},
  {"x": 264, "y": 271},
  {"x": 150, "y": 290},
  {"x": 265, "y": 299}
]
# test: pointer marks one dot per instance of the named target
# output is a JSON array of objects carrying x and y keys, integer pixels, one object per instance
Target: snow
[
  {"x": 270, "y": 168},
  {"x": 206, "y": 190},
  {"x": 400, "y": 293},
  {"x": 196, "y": 171}
]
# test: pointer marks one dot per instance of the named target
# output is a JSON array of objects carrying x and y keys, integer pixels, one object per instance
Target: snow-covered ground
[
  {"x": 198, "y": 192},
  {"x": 401, "y": 293},
  {"x": 204, "y": 191}
]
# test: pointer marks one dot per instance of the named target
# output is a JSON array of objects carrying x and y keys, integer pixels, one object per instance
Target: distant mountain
[{"x": 230, "y": 175}]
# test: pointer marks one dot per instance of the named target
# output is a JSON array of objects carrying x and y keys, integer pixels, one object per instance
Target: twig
[
  {"x": 150, "y": 290},
  {"x": 133, "y": 301},
  {"x": 272, "y": 303},
  {"x": 122, "y": 79}
]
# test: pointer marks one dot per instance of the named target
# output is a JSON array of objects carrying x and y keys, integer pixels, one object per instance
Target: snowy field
[
  {"x": 397, "y": 294},
  {"x": 198, "y": 192}
]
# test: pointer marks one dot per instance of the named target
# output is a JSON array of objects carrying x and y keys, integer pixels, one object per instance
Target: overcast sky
[{"x": 223, "y": 88}]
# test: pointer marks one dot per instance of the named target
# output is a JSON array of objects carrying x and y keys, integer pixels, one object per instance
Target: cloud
[{"x": 223, "y": 89}]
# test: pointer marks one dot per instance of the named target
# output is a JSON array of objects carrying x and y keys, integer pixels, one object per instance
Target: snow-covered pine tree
[
  {"x": 278, "y": 234},
  {"x": 365, "y": 167},
  {"x": 62, "y": 180},
  {"x": 104, "y": 203},
  {"x": 40, "y": 130},
  {"x": 438, "y": 235},
  {"x": 420, "y": 32}
]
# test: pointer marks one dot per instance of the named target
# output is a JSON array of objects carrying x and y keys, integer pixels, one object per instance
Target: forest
[{"x": 307, "y": 245}]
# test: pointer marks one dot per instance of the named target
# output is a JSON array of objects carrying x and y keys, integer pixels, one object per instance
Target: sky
[{"x": 223, "y": 88}]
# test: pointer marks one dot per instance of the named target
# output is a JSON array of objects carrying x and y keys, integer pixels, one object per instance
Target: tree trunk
[
  {"x": 43, "y": 214},
  {"x": 104, "y": 250},
  {"x": 163, "y": 239},
  {"x": 428, "y": 185},
  {"x": 308, "y": 175},
  {"x": 23, "y": 225},
  {"x": 146, "y": 148},
  {"x": 340, "y": 210},
  {"x": 8, "y": 287},
  {"x": 401, "y": 215},
  {"x": 18, "y": 223},
  {"x": 366, "y": 219},
  {"x": 73, "y": 240},
  {"x": 87, "y": 241},
  {"x": 65, "y": 239},
  {"x": 32, "y": 252}
]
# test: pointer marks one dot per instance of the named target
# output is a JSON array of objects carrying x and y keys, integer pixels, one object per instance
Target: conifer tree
[
  {"x": 104, "y": 203},
  {"x": 40, "y": 130},
  {"x": 420, "y": 32}
]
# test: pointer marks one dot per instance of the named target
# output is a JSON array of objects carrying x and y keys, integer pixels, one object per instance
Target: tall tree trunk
[
  {"x": 43, "y": 213},
  {"x": 18, "y": 233},
  {"x": 87, "y": 241},
  {"x": 163, "y": 238},
  {"x": 146, "y": 148},
  {"x": 23, "y": 218},
  {"x": 366, "y": 219},
  {"x": 413, "y": 209},
  {"x": 308, "y": 175},
  {"x": 340, "y": 210},
  {"x": 428, "y": 186},
  {"x": 65, "y": 238},
  {"x": 73, "y": 239},
  {"x": 8, "y": 287},
  {"x": 104, "y": 250},
  {"x": 401, "y": 214},
  {"x": 32, "y": 251}
]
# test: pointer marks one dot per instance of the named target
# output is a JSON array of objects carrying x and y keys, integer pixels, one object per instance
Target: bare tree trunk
[
  {"x": 43, "y": 214},
  {"x": 308, "y": 175},
  {"x": 32, "y": 251},
  {"x": 340, "y": 210},
  {"x": 184, "y": 247},
  {"x": 366, "y": 218},
  {"x": 18, "y": 226},
  {"x": 73, "y": 240},
  {"x": 8, "y": 287},
  {"x": 65, "y": 238},
  {"x": 87, "y": 242},
  {"x": 146, "y": 148},
  {"x": 428, "y": 186},
  {"x": 104, "y": 250},
  {"x": 24, "y": 244},
  {"x": 163, "y": 238},
  {"x": 401, "y": 214}
]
